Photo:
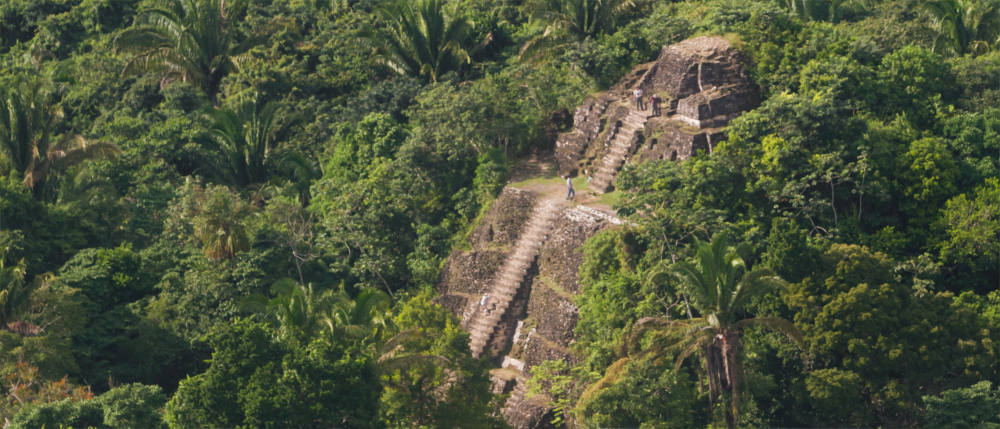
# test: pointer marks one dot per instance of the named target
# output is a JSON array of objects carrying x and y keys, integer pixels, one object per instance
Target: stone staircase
[
  {"x": 511, "y": 276},
  {"x": 515, "y": 411},
  {"x": 620, "y": 148}
]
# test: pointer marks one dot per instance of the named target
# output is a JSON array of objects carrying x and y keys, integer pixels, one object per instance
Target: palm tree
[
  {"x": 14, "y": 291},
  {"x": 185, "y": 40},
  {"x": 967, "y": 26},
  {"x": 218, "y": 222},
  {"x": 28, "y": 119},
  {"x": 303, "y": 313},
  {"x": 585, "y": 18},
  {"x": 361, "y": 317},
  {"x": 299, "y": 310},
  {"x": 421, "y": 38},
  {"x": 242, "y": 142},
  {"x": 718, "y": 286},
  {"x": 575, "y": 19}
]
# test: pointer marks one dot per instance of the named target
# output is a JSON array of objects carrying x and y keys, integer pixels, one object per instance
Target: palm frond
[{"x": 612, "y": 374}]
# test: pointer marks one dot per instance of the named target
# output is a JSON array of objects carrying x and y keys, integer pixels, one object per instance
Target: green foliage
[
  {"x": 552, "y": 379},
  {"x": 257, "y": 381},
  {"x": 428, "y": 371},
  {"x": 824, "y": 10},
  {"x": 928, "y": 175},
  {"x": 837, "y": 393},
  {"x": 649, "y": 395},
  {"x": 969, "y": 248},
  {"x": 425, "y": 38},
  {"x": 858, "y": 319},
  {"x": 213, "y": 215},
  {"x": 133, "y": 405},
  {"x": 14, "y": 291},
  {"x": 582, "y": 18},
  {"x": 608, "y": 302},
  {"x": 184, "y": 40},
  {"x": 107, "y": 277},
  {"x": 28, "y": 139},
  {"x": 374, "y": 139},
  {"x": 116, "y": 342},
  {"x": 788, "y": 251},
  {"x": 719, "y": 287},
  {"x": 971, "y": 136},
  {"x": 25, "y": 390},
  {"x": 243, "y": 143},
  {"x": 977, "y": 77},
  {"x": 66, "y": 412},
  {"x": 915, "y": 82},
  {"x": 976, "y": 406},
  {"x": 196, "y": 294},
  {"x": 965, "y": 26},
  {"x": 865, "y": 136}
]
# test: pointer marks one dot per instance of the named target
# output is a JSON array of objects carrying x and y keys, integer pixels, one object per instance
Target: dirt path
[{"x": 538, "y": 174}]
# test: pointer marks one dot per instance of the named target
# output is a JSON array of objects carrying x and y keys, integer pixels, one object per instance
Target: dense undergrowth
[{"x": 232, "y": 213}]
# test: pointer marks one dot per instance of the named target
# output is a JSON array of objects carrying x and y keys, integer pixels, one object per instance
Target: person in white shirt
[
  {"x": 637, "y": 92},
  {"x": 569, "y": 185}
]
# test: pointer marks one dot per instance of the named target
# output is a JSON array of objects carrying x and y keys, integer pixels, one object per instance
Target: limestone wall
[
  {"x": 703, "y": 85},
  {"x": 467, "y": 274}
]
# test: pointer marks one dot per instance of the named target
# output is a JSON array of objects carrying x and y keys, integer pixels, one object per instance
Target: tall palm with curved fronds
[
  {"x": 242, "y": 142},
  {"x": 28, "y": 120},
  {"x": 585, "y": 18},
  {"x": 573, "y": 20},
  {"x": 360, "y": 317},
  {"x": 421, "y": 38},
  {"x": 186, "y": 40},
  {"x": 304, "y": 313},
  {"x": 965, "y": 26},
  {"x": 718, "y": 286},
  {"x": 298, "y": 308}
]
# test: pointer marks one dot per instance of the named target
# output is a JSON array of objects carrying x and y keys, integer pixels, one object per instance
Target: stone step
[
  {"x": 614, "y": 161},
  {"x": 525, "y": 259},
  {"x": 511, "y": 276},
  {"x": 508, "y": 287},
  {"x": 611, "y": 157}
]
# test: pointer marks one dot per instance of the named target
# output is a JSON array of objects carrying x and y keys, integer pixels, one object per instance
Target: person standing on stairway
[
  {"x": 654, "y": 103},
  {"x": 637, "y": 92},
  {"x": 570, "y": 193}
]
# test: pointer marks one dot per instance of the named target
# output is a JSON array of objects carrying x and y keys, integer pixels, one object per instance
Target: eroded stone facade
[{"x": 703, "y": 85}]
